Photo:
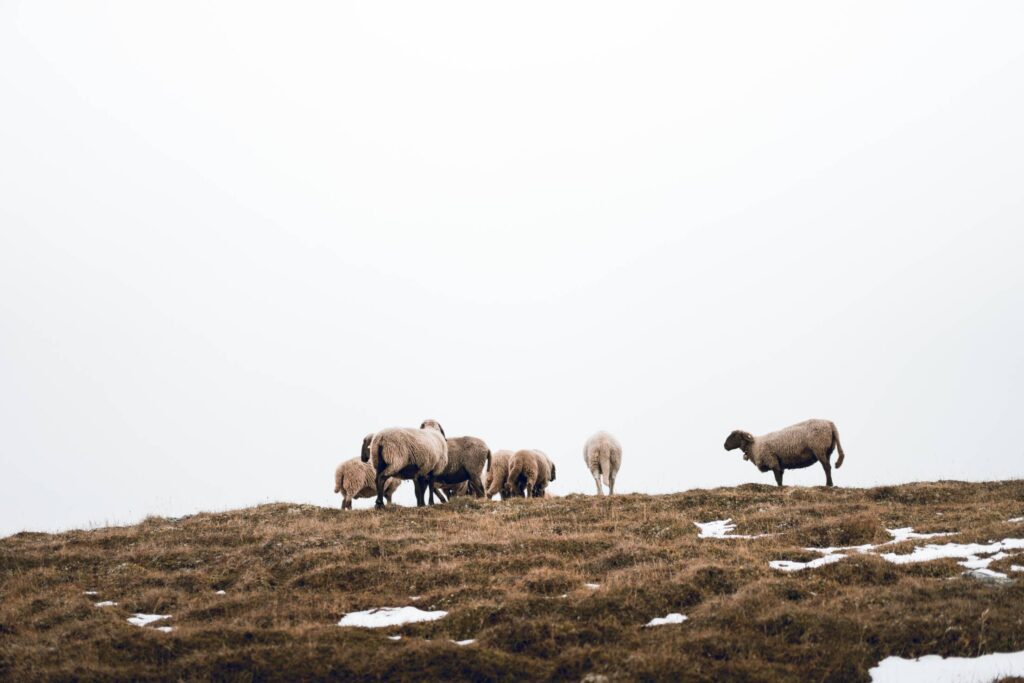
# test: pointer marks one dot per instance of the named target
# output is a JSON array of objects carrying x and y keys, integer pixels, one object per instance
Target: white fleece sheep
[
  {"x": 603, "y": 455},
  {"x": 796, "y": 446},
  {"x": 417, "y": 454},
  {"x": 356, "y": 479}
]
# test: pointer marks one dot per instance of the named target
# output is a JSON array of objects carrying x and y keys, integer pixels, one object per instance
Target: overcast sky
[{"x": 236, "y": 237}]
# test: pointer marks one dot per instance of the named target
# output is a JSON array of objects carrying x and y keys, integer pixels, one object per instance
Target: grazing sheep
[
  {"x": 529, "y": 473},
  {"x": 497, "y": 474},
  {"x": 603, "y": 455},
  {"x": 800, "y": 445},
  {"x": 467, "y": 456},
  {"x": 356, "y": 479},
  {"x": 417, "y": 454}
]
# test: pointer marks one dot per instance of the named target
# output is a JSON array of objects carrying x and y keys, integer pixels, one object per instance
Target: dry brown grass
[{"x": 500, "y": 569}]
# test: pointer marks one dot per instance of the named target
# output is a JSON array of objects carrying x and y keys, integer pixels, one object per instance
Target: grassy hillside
[{"x": 511, "y": 575}]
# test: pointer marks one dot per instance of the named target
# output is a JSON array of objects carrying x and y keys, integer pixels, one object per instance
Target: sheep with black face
[{"x": 797, "y": 446}]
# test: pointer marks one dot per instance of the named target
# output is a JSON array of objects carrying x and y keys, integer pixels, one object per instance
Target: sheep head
[
  {"x": 433, "y": 424},
  {"x": 364, "y": 454},
  {"x": 739, "y": 439}
]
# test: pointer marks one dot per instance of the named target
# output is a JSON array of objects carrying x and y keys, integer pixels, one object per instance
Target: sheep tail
[
  {"x": 488, "y": 460},
  {"x": 605, "y": 460},
  {"x": 839, "y": 446}
]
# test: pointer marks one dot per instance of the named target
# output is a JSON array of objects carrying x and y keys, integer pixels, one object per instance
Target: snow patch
[
  {"x": 164, "y": 629},
  {"x": 414, "y": 598},
  {"x": 592, "y": 586},
  {"x": 790, "y": 566},
  {"x": 389, "y": 616},
  {"x": 935, "y": 669},
  {"x": 220, "y": 593},
  {"x": 673, "y": 618},
  {"x": 394, "y": 637},
  {"x": 1016, "y": 568},
  {"x": 907, "y": 533},
  {"x": 90, "y": 593},
  {"x": 1016, "y": 520},
  {"x": 464, "y": 643},
  {"x": 721, "y": 528},
  {"x": 106, "y": 603},
  {"x": 140, "y": 619}
]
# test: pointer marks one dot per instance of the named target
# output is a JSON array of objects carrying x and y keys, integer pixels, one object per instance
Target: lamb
[
  {"x": 356, "y": 479},
  {"x": 417, "y": 454},
  {"x": 603, "y": 455},
  {"x": 796, "y": 446},
  {"x": 467, "y": 456},
  {"x": 529, "y": 473},
  {"x": 497, "y": 474}
]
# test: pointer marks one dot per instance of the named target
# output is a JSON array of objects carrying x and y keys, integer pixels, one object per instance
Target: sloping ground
[{"x": 512, "y": 577}]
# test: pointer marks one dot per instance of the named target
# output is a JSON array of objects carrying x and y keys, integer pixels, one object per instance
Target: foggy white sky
[{"x": 236, "y": 237}]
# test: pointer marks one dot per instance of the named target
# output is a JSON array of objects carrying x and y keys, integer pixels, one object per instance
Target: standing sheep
[
  {"x": 356, "y": 479},
  {"x": 603, "y": 455},
  {"x": 529, "y": 473},
  {"x": 467, "y": 456},
  {"x": 497, "y": 474},
  {"x": 417, "y": 454},
  {"x": 796, "y": 446}
]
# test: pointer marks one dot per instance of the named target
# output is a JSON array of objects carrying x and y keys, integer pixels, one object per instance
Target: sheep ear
[
  {"x": 423, "y": 424},
  {"x": 441, "y": 429}
]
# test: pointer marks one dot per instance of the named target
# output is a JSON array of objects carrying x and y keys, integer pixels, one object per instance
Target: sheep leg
[
  {"x": 440, "y": 495},
  {"x": 382, "y": 480},
  {"x": 611, "y": 485},
  {"x": 419, "y": 485},
  {"x": 778, "y": 476},
  {"x": 476, "y": 485},
  {"x": 346, "y": 503},
  {"x": 430, "y": 486},
  {"x": 597, "y": 481},
  {"x": 823, "y": 459}
]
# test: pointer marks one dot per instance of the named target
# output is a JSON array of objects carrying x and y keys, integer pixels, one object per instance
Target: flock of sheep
[{"x": 453, "y": 467}]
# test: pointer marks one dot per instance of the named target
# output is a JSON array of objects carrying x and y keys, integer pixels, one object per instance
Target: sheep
[
  {"x": 497, "y": 474},
  {"x": 796, "y": 446},
  {"x": 417, "y": 454},
  {"x": 603, "y": 455},
  {"x": 356, "y": 479},
  {"x": 529, "y": 473},
  {"x": 467, "y": 456}
]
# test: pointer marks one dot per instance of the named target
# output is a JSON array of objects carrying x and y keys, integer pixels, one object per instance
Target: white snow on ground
[
  {"x": 164, "y": 629},
  {"x": 1016, "y": 568},
  {"x": 592, "y": 586},
  {"x": 968, "y": 552},
  {"x": 139, "y": 619},
  {"x": 106, "y": 603},
  {"x": 673, "y": 618},
  {"x": 220, "y": 593},
  {"x": 721, "y": 528},
  {"x": 935, "y": 669},
  {"x": 394, "y": 637},
  {"x": 975, "y": 557},
  {"x": 464, "y": 642},
  {"x": 907, "y": 533},
  {"x": 414, "y": 598},
  {"x": 91, "y": 593},
  {"x": 388, "y": 616},
  {"x": 790, "y": 566},
  {"x": 1016, "y": 520}
]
